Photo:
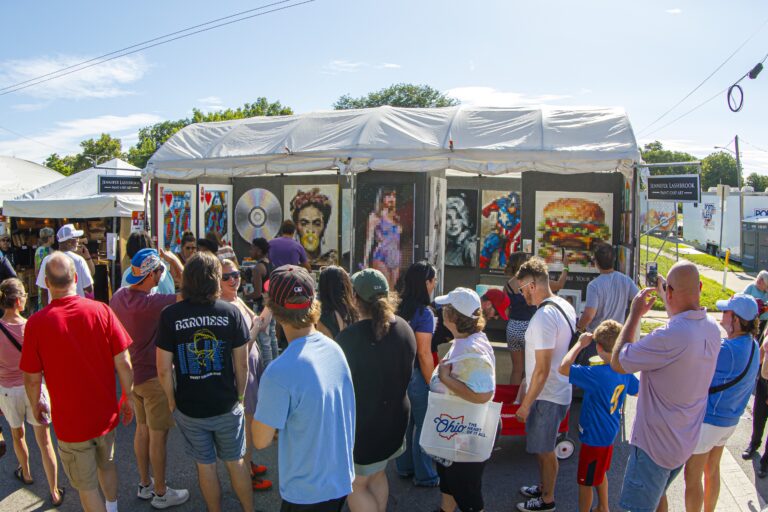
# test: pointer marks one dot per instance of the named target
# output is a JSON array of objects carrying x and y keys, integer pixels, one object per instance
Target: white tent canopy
[
  {"x": 78, "y": 196},
  {"x": 18, "y": 176},
  {"x": 490, "y": 141}
]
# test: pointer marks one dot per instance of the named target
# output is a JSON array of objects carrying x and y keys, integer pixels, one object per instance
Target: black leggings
[{"x": 463, "y": 481}]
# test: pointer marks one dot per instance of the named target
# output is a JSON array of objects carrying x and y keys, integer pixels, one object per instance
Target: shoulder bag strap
[
  {"x": 10, "y": 337},
  {"x": 567, "y": 321},
  {"x": 726, "y": 385}
]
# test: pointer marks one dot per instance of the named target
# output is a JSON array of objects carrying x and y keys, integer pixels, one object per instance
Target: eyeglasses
[
  {"x": 666, "y": 285},
  {"x": 230, "y": 275},
  {"x": 523, "y": 286}
]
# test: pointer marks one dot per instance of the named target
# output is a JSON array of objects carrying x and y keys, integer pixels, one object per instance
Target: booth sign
[
  {"x": 680, "y": 188},
  {"x": 120, "y": 185}
]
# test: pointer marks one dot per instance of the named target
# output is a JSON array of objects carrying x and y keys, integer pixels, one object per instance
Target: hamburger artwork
[{"x": 574, "y": 225}]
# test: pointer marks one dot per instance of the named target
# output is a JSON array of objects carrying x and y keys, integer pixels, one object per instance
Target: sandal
[
  {"x": 61, "y": 498},
  {"x": 19, "y": 474}
]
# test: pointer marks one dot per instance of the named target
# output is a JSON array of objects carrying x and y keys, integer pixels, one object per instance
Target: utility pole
[{"x": 741, "y": 191}]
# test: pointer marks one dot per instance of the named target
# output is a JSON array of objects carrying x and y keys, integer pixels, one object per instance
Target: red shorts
[{"x": 594, "y": 463}]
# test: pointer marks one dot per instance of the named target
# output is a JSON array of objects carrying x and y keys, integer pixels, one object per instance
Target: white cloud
[
  {"x": 674, "y": 11},
  {"x": 68, "y": 134},
  {"x": 210, "y": 103},
  {"x": 345, "y": 66},
  {"x": 106, "y": 80},
  {"x": 30, "y": 107},
  {"x": 490, "y": 97}
]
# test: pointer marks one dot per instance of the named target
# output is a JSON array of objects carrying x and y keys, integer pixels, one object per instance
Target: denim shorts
[
  {"x": 542, "y": 426},
  {"x": 220, "y": 436},
  {"x": 645, "y": 482}
]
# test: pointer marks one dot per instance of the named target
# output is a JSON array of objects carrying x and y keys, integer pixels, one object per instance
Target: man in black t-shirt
[{"x": 205, "y": 340}]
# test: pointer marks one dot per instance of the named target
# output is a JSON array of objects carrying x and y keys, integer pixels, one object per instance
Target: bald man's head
[
  {"x": 684, "y": 279},
  {"x": 60, "y": 271}
]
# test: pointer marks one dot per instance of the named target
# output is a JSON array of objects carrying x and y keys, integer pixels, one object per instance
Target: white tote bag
[{"x": 457, "y": 430}]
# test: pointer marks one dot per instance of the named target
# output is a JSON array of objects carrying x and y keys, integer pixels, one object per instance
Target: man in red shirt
[{"x": 77, "y": 344}]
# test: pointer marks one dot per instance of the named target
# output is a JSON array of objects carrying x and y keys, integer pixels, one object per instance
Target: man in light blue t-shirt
[
  {"x": 608, "y": 295},
  {"x": 307, "y": 395}
]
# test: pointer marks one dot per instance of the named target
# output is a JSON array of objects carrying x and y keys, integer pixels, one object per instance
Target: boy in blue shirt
[{"x": 604, "y": 393}]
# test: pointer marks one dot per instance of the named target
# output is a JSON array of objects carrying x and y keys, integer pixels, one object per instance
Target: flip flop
[
  {"x": 19, "y": 474},
  {"x": 61, "y": 498}
]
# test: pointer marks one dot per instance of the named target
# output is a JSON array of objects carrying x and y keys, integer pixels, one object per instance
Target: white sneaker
[
  {"x": 146, "y": 493},
  {"x": 171, "y": 498}
]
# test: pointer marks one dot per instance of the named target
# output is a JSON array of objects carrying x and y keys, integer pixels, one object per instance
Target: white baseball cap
[
  {"x": 463, "y": 300},
  {"x": 68, "y": 232}
]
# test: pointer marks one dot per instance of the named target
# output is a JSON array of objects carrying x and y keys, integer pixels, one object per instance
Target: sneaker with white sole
[
  {"x": 531, "y": 491},
  {"x": 535, "y": 505},
  {"x": 171, "y": 498},
  {"x": 146, "y": 492}
]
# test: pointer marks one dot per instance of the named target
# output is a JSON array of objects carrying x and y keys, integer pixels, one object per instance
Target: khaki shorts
[
  {"x": 152, "y": 405},
  {"x": 82, "y": 460}
]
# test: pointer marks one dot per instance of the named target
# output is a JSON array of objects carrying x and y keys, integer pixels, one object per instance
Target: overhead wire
[
  {"x": 31, "y": 139},
  {"x": 120, "y": 53},
  {"x": 705, "y": 79}
]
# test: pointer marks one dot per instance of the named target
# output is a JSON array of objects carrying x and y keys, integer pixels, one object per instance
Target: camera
[{"x": 246, "y": 273}]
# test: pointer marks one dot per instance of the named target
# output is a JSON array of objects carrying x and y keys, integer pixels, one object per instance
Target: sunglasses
[
  {"x": 665, "y": 285},
  {"x": 230, "y": 275}
]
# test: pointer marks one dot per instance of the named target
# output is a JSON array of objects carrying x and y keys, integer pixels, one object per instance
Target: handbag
[
  {"x": 457, "y": 430},
  {"x": 10, "y": 337},
  {"x": 730, "y": 384}
]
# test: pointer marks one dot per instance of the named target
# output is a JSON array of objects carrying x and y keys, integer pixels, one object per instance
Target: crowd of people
[{"x": 340, "y": 373}]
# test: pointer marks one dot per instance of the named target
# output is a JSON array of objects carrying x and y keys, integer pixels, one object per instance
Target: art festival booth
[
  {"x": 384, "y": 187},
  {"x": 100, "y": 201}
]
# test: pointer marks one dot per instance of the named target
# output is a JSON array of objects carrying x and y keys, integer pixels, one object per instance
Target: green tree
[
  {"x": 719, "y": 168},
  {"x": 64, "y": 165},
  {"x": 398, "y": 95},
  {"x": 654, "y": 153},
  {"x": 757, "y": 181},
  {"x": 93, "y": 151},
  {"x": 152, "y": 137}
]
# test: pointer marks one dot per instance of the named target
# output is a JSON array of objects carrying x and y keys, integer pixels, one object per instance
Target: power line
[
  {"x": 706, "y": 79},
  {"x": 141, "y": 44},
  {"x": 756, "y": 147},
  {"x": 47, "y": 78},
  {"x": 689, "y": 112},
  {"x": 31, "y": 139}
]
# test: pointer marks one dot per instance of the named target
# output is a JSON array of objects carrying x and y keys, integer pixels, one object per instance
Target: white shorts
[
  {"x": 712, "y": 436},
  {"x": 16, "y": 407}
]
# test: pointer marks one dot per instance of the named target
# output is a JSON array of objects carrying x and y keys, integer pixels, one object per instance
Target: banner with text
[{"x": 681, "y": 188}]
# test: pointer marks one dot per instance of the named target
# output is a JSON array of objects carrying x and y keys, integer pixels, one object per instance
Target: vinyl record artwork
[
  {"x": 258, "y": 215},
  {"x": 499, "y": 227},
  {"x": 176, "y": 213},
  {"x": 315, "y": 211},
  {"x": 384, "y": 228},
  {"x": 436, "y": 255},
  {"x": 216, "y": 211},
  {"x": 461, "y": 228},
  {"x": 574, "y": 223}
]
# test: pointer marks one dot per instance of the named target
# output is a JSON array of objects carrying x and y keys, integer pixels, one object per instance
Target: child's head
[{"x": 605, "y": 337}]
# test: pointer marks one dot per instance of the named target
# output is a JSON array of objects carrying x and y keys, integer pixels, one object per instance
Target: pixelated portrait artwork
[
  {"x": 572, "y": 224},
  {"x": 499, "y": 227},
  {"x": 176, "y": 213},
  {"x": 384, "y": 223},
  {"x": 437, "y": 199},
  {"x": 216, "y": 211},
  {"x": 315, "y": 211},
  {"x": 461, "y": 228}
]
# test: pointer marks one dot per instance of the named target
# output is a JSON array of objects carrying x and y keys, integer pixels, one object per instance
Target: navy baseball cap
[{"x": 290, "y": 282}]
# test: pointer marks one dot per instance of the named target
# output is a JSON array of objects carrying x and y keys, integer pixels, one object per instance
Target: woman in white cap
[
  {"x": 737, "y": 365},
  {"x": 468, "y": 371}
]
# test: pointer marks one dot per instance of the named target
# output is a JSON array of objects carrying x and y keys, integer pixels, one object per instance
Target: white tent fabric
[
  {"x": 78, "y": 196},
  {"x": 488, "y": 141},
  {"x": 18, "y": 176}
]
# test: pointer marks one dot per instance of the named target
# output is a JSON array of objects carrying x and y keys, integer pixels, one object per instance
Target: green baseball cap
[{"x": 370, "y": 284}]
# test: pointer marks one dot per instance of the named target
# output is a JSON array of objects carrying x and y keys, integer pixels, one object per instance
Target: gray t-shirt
[{"x": 610, "y": 294}]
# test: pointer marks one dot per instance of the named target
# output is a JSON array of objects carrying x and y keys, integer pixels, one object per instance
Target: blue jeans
[
  {"x": 645, "y": 482},
  {"x": 414, "y": 461},
  {"x": 268, "y": 343}
]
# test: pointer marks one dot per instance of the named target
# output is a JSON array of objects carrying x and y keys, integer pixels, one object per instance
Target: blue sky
[{"x": 643, "y": 56}]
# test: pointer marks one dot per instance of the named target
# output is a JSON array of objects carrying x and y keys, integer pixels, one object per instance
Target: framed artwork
[
  {"x": 346, "y": 223},
  {"x": 384, "y": 227},
  {"x": 216, "y": 211},
  {"x": 437, "y": 199},
  {"x": 660, "y": 217},
  {"x": 572, "y": 223},
  {"x": 461, "y": 228},
  {"x": 315, "y": 211},
  {"x": 573, "y": 297},
  {"x": 499, "y": 228},
  {"x": 176, "y": 213},
  {"x": 625, "y": 260}
]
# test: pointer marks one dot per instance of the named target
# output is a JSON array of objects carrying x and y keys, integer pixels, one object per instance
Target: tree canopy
[
  {"x": 719, "y": 168},
  {"x": 94, "y": 151},
  {"x": 759, "y": 182},
  {"x": 654, "y": 153},
  {"x": 398, "y": 95}
]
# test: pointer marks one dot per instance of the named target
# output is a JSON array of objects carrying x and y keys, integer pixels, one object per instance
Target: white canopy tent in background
[
  {"x": 77, "y": 196},
  {"x": 18, "y": 176},
  {"x": 488, "y": 141}
]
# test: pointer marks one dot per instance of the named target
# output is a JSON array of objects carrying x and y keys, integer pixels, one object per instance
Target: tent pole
[
  {"x": 114, "y": 232},
  {"x": 353, "y": 185}
]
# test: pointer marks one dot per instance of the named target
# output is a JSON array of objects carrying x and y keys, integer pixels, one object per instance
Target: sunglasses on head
[{"x": 230, "y": 275}]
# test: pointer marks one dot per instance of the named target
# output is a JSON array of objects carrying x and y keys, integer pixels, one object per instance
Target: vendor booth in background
[
  {"x": 98, "y": 201},
  {"x": 17, "y": 177},
  {"x": 384, "y": 187}
]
